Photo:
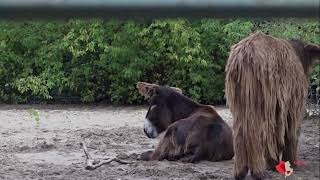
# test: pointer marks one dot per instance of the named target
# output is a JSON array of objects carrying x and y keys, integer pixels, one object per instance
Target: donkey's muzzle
[{"x": 149, "y": 129}]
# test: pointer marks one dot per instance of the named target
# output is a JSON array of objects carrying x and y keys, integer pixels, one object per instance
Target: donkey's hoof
[
  {"x": 146, "y": 156},
  {"x": 260, "y": 176}
]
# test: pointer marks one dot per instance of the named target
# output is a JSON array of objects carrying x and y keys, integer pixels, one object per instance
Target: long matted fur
[{"x": 265, "y": 91}]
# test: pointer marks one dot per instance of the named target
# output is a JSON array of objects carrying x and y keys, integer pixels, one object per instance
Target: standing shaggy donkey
[{"x": 266, "y": 84}]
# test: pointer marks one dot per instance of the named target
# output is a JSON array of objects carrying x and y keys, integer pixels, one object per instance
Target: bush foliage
[{"x": 101, "y": 61}]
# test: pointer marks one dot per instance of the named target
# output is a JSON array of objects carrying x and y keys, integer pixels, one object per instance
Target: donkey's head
[
  {"x": 314, "y": 52},
  {"x": 166, "y": 105},
  {"x": 309, "y": 54}
]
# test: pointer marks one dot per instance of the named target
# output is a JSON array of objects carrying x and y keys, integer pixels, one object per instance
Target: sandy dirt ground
[{"x": 49, "y": 149}]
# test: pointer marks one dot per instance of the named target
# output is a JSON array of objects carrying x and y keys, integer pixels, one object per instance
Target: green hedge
[{"x": 101, "y": 61}]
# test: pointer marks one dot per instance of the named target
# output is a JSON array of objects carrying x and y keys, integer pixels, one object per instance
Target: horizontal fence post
[{"x": 157, "y": 8}]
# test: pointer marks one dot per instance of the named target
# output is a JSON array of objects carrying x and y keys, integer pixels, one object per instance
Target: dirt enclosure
[{"x": 49, "y": 149}]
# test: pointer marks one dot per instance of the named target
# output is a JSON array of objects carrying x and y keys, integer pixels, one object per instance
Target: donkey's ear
[
  {"x": 178, "y": 90},
  {"x": 146, "y": 89},
  {"x": 313, "y": 49}
]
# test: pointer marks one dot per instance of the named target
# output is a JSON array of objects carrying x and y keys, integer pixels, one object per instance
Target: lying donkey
[{"x": 194, "y": 131}]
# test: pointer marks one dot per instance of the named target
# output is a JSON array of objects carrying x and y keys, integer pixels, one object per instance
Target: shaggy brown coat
[
  {"x": 266, "y": 84},
  {"x": 201, "y": 136}
]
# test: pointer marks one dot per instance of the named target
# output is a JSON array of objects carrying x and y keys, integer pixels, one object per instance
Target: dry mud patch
[{"x": 49, "y": 149}]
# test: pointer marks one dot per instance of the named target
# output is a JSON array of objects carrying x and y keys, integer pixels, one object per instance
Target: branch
[{"x": 92, "y": 164}]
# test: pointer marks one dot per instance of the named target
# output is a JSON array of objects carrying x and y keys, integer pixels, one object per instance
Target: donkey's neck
[{"x": 183, "y": 108}]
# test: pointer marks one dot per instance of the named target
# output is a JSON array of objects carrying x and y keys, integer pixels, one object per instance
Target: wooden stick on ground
[{"x": 92, "y": 164}]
